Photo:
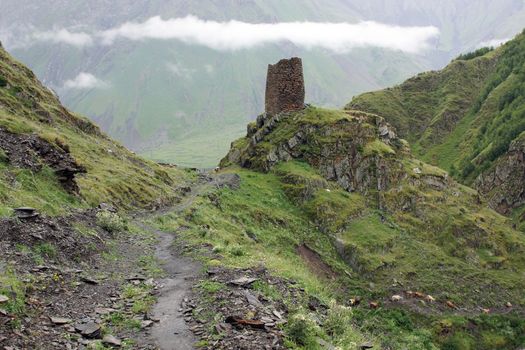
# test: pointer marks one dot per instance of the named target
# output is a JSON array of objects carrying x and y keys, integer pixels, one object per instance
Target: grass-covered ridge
[
  {"x": 396, "y": 223},
  {"x": 424, "y": 108},
  {"x": 113, "y": 174},
  {"x": 271, "y": 214},
  {"x": 464, "y": 117}
]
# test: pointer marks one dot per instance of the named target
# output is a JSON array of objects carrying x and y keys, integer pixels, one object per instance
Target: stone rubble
[{"x": 243, "y": 317}]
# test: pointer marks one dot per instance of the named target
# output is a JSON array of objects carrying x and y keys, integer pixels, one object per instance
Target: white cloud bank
[
  {"x": 85, "y": 81},
  {"x": 64, "y": 36},
  {"x": 236, "y": 35}
]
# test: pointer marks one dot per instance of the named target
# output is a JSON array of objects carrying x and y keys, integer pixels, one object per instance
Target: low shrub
[
  {"x": 303, "y": 331},
  {"x": 237, "y": 250},
  {"x": 111, "y": 222},
  {"x": 338, "y": 320}
]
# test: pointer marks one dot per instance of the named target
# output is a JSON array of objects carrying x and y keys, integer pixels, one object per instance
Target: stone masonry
[{"x": 285, "y": 86}]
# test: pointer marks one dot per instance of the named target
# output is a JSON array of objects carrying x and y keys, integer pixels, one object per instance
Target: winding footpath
[{"x": 172, "y": 332}]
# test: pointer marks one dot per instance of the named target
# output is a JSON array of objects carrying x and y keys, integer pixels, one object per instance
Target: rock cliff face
[
  {"x": 504, "y": 184},
  {"x": 285, "y": 87}
]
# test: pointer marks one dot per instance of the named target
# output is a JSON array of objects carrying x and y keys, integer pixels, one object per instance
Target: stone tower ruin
[{"x": 285, "y": 86}]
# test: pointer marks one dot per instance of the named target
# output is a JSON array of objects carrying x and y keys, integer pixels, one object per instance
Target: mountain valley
[
  {"x": 171, "y": 100},
  {"x": 394, "y": 223}
]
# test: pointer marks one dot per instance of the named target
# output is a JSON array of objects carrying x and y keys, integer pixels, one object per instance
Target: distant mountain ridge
[{"x": 175, "y": 102}]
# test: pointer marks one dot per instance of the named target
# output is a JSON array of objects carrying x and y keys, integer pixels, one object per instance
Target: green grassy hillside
[
  {"x": 83, "y": 186},
  {"x": 463, "y": 118},
  {"x": 31, "y": 114},
  {"x": 425, "y": 108},
  {"x": 387, "y": 223},
  {"x": 333, "y": 200}
]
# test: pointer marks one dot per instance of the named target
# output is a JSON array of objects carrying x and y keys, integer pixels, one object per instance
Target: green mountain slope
[
  {"x": 49, "y": 154},
  {"x": 463, "y": 118},
  {"x": 385, "y": 222},
  {"x": 66, "y": 243},
  {"x": 206, "y": 98}
]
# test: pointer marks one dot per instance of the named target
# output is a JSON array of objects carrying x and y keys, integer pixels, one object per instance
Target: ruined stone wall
[{"x": 285, "y": 86}]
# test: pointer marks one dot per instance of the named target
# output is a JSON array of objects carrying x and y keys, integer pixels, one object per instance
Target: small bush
[
  {"x": 237, "y": 250},
  {"x": 12, "y": 286},
  {"x": 218, "y": 249},
  {"x": 55, "y": 139},
  {"x": 214, "y": 262},
  {"x": 339, "y": 319},
  {"x": 211, "y": 286},
  {"x": 467, "y": 170},
  {"x": 3, "y": 157},
  {"x": 122, "y": 321},
  {"x": 143, "y": 305},
  {"x": 303, "y": 331},
  {"x": 3, "y": 82},
  {"x": 132, "y": 292},
  {"x": 459, "y": 341},
  {"x": 45, "y": 249},
  {"x": 268, "y": 290},
  {"x": 111, "y": 222},
  {"x": 15, "y": 90}
]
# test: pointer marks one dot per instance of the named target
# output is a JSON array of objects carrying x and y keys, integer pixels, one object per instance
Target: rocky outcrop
[
  {"x": 285, "y": 87},
  {"x": 357, "y": 151},
  {"x": 475, "y": 102},
  {"x": 504, "y": 184},
  {"x": 32, "y": 152}
]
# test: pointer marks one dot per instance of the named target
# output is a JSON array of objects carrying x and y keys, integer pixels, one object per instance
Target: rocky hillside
[
  {"x": 403, "y": 229},
  {"x": 67, "y": 249},
  {"x": 467, "y": 119},
  {"x": 53, "y": 158}
]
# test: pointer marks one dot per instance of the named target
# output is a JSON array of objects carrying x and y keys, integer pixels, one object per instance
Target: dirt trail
[{"x": 172, "y": 332}]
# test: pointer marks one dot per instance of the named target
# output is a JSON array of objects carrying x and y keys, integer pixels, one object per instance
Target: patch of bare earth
[{"x": 315, "y": 263}]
